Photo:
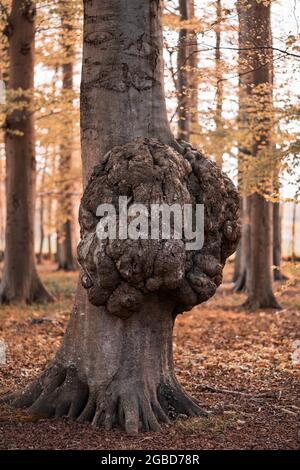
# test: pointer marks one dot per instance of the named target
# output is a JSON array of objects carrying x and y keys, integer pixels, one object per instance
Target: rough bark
[
  {"x": 126, "y": 380},
  {"x": 115, "y": 364},
  {"x": 20, "y": 282}
]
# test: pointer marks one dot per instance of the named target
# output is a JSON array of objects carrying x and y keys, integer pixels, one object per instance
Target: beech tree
[
  {"x": 20, "y": 282},
  {"x": 219, "y": 87},
  {"x": 184, "y": 121},
  {"x": 187, "y": 75},
  {"x": 115, "y": 364},
  {"x": 244, "y": 144}
]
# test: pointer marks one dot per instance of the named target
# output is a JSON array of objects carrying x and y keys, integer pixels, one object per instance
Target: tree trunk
[
  {"x": 243, "y": 252},
  {"x": 104, "y": 372},
  {"x": 66, "y": 243},
  {"x": 42, "y": 216},
  {"x": 49, "y": 228},
  {"x": 188, "y": 77},
  {"x": 219, "y": 90},
  {"x": 20, "y": 281},
  {"x": 111, "y": 371},
  {"x": 278, "y": 275},
  {"x": 245, "y": 80},
  {"x": 2, "y": 205},
  {"x": 42, "y": 231},
  {"x": 65, "y": 247},
  {"x": 294, "y": 255},
  {"x": 259, "y": 280},
  {"x": 277, "y": 238},
  {"x": 183, "y": 91},
  {"x": 50, "y": 254},
  {"x": 259, "y": 274},
  {"x": 193, "y": 62}
]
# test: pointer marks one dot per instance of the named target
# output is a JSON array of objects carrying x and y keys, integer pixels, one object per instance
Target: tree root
[{"x": 132, "y": 406}]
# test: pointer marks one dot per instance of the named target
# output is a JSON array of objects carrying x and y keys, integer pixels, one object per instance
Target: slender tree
[
  {"x": 277, "y": 241},
  {"x": 184, "y": 121},
  {"x": 187, "y": 76},
  {"x": 2, "y": 206},
  {"x": 257, "y": 22},
  {"x": 244, "y": 145},
  {"x": 194, "y": 79},
  {"x": 115, "y": 365},
  {"x": 20, "y": 282},
  {"x": 294, "y": 255},
  {"x": 42, "y": 215}
]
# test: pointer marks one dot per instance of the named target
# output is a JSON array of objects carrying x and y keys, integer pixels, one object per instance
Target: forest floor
[{"x": 242, "y": 365}]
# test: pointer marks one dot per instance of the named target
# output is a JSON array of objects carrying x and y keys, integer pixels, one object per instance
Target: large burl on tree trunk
[{"x": 115, "y": 365}]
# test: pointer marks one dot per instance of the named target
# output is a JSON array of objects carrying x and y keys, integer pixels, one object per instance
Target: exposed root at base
[{"x": 59, "y": 392}]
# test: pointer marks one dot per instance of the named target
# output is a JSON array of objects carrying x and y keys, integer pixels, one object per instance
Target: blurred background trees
[{"x": 231, "y": 85}]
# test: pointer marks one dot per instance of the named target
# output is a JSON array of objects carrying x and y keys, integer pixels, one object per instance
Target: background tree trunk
[
  {"x": 245, "y": 81},
  {"x": 2, "y": 205},
  {"x": 183, "y": 75},
  {"x": 277, "y": 240},
  {"x": 259, "y": 274},
  {"x": 110, "y": 371},
  {"x": 66, "y": 248},
  {"x": 243, "y": 252},
  {"x": 194, "y": 80},
  {"x": 20, "y": 281},
  {"x": 49, "y": 228},
  {"x": 294, "y": 255},
  {"x": 188, "y": 77},
  {"x": 277, "y": 225},
  {"x": 42, "y": 217},
  {"x": 219, "y": 89}
]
